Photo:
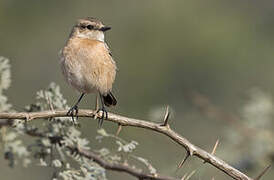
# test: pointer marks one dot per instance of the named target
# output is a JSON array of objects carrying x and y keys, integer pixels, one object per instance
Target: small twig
[
  {"x": 50, "y": 103},
  {"x": 263, "y": 172}
]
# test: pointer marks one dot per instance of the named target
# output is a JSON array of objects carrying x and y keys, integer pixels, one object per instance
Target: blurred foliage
[
  {"x": 4, "y": 83},
  {"x": 253, "y": 137},
  {"x": 51, "y": 139}
]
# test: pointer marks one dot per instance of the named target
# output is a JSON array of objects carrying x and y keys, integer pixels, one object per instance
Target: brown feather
[{"x": 88, "y": 65}]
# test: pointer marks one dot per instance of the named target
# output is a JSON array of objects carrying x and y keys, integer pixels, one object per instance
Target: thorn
[
  {"x": 190, "y": 175},
  {"x": 215, "y": 147},
  {"x": 191, "y": 150},
  {"x": 50, "y": 105},
  {"x": 263, "y": 172},
  {"x": 119, "y": 129},
  {"x": 187, "y": 177},
  {"x": 184, "y": 160},
  {"x": 27, "y": 117},
  {"x": 166, "y": 118}
]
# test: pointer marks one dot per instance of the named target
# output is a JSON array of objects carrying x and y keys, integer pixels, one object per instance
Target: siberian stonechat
[{"x": 87, "y": 63}]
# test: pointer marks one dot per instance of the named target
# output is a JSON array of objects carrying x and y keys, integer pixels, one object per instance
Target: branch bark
[
  {"x": 120, "y": 167},
  {"x": 125, "y": 121}
]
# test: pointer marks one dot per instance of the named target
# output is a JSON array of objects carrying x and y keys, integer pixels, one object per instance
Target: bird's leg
[
  {"x": 96, "y": 107},
  {"x": 104, "y": 112},
  {"x": 75, "y": 109}
]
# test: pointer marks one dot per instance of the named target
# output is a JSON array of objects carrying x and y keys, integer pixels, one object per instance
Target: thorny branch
[{"x": 125, "y": 121}]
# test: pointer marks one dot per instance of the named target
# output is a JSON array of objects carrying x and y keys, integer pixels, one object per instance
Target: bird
[{"x": 87, "y": 64}]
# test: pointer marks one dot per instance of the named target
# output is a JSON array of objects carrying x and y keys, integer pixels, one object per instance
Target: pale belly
[{"x": 75, "y": 77}]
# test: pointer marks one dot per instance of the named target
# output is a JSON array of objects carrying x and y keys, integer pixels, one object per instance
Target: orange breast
[{"x": 90, "y": 62}]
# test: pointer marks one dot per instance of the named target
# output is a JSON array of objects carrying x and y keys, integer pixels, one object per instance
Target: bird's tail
[{"x": 109, "y": 99}]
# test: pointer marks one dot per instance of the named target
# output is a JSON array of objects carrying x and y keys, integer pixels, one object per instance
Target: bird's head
[{"x": 90, "y": 28}]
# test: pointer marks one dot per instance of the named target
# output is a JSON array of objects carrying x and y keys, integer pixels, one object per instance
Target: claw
[
  {"x": 104, "y": 116},
  {"x": 72, "y": 114},
  {"x": 75, "y": 109}
]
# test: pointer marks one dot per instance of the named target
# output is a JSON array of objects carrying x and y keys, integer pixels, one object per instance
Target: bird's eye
[{"x": 90, "y": 27}]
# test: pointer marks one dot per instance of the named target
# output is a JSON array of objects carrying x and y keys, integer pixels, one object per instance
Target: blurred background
[{"x": 210, "y": 61}]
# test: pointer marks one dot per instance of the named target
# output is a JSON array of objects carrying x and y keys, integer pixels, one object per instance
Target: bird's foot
[
  {"x": 73, "y": 112},
  {"x": 102, "y": 117}
]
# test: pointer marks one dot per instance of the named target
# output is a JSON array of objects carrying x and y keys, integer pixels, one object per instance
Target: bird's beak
[{"x": 105, "y": 28}]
